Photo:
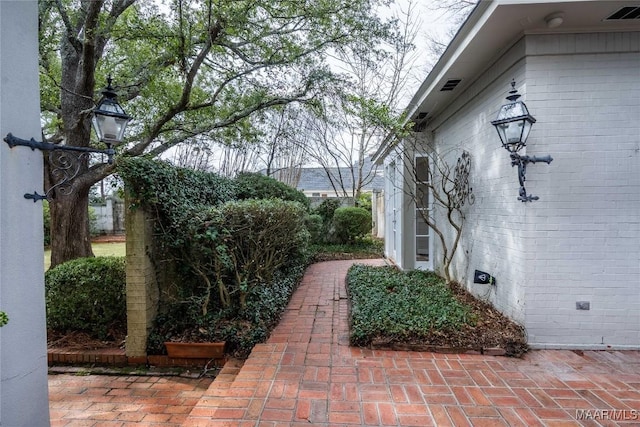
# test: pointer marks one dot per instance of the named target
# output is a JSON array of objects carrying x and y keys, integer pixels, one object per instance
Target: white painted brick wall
[
  {"x": 592, "y": 196},
  {"x": 581, "y": 240}
]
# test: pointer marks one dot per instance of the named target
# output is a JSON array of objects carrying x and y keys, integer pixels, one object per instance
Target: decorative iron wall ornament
[{"x": 462, "y": 191}]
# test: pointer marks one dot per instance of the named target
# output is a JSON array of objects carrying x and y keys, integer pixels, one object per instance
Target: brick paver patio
[
  {"x": 306, "y": 374},
  {"x": 102, "y": 400}
]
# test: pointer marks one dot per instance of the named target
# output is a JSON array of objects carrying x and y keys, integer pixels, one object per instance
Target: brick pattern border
[{"x": 117, "y": 357}]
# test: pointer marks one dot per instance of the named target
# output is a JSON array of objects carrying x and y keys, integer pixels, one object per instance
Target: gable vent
[
  {"x": 450, "y": 85},
  {"x": 628, "y": 12}
]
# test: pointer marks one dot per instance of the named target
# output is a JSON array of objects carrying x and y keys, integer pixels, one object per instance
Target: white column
[{"x": 23, "y": 347}]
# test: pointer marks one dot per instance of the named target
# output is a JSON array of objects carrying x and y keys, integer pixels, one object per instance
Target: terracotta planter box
[{"x": 195, "y": 350}]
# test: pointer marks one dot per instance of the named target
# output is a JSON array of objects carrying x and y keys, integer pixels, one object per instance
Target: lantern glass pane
[
  {"x": 108, "y": 106},
  {"x": 513, "y": 110},
  {"x": 502, "y": 129},
  {"x": 525, "y": 131},
  {"x": 109, "y": 128},
  {"x": 122, "y": 126},
  {"x": 97, "y": 126},
  {"x": 513, "y": 132}
]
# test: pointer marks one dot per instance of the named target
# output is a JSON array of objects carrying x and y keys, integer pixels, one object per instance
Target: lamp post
[
  {"x": 514, "y": 124},
  {"x": 109, "y": 122}
]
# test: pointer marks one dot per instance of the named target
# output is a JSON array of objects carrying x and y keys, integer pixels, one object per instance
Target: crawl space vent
[{"x": 628, "y": 12}]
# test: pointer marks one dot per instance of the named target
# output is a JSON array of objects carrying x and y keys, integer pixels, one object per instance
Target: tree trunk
[{"x": 70, "y": 234}]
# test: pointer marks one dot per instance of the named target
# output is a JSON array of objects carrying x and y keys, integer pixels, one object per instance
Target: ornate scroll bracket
[{"x": 65, "y": 161}]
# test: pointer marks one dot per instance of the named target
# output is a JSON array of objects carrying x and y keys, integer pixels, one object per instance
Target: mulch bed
[
  {"x": 78, "y": 341},
  {"x": 493, "y": 329}
]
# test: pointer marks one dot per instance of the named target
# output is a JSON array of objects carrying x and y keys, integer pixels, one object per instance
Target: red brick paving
[
  {"x": 306, "y": 374},
  {"x": 99, "y": 400}
]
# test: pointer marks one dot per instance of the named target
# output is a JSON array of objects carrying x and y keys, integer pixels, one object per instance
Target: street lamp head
[
  {"x": 109, "y": 119},
  {"x": 513, "y": 122}
]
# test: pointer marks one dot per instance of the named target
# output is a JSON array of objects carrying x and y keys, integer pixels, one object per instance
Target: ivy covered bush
[
  {"x": 228, "y": 252},
  {"x": 315, "y": 226},
  {"x": 87, "y": 295}
]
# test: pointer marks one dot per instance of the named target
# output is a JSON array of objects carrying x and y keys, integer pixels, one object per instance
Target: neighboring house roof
[
  {"x": 316, "y": 179},
  {"x": 492, "y": 28}
]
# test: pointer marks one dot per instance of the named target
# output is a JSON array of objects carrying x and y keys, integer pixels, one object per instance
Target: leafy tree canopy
[{"x": 185, "y": 70}]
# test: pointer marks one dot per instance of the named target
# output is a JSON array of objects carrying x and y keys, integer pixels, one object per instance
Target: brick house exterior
[{"x": 580, "y": 242}]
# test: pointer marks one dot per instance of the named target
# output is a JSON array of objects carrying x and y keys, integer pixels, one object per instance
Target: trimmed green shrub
[
  {"x": 351, "y": 224},
  {"x": 243, "y": 243},
  {"x": 4, "y": 319},
  {"x": 401, "y": 306},
  {"x": 258, "y": 186},
  {"x": 87, "y": 294}
]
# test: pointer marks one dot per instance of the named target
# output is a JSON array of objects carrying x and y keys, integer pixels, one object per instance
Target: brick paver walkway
[
  {"x": 102, "y": 400},
  {"x": 306, "y": 374}
]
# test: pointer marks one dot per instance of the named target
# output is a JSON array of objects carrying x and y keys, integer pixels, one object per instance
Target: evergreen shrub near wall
[
  {"x": 227, "y": 267},
  {"x": 326, "y": 209},
  {"x": 87, "y": 295},
  {"x": 242, "y": 244},
  {"x": 314, "y": 224}
]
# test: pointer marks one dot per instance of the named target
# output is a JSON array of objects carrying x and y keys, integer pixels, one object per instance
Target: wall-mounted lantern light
[
  {"x": 109, "y": 122},
  {"x": 513, "y": 124},
  {"x": 109, "y": 119}
]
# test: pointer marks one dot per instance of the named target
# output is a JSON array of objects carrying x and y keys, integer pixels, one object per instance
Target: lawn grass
[{"x": 99, "y": 249}]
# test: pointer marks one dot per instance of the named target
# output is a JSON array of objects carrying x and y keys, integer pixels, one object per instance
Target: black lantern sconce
[
  {"x": 513, "y": 125},
  {"x": 109, "y": 122}
]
